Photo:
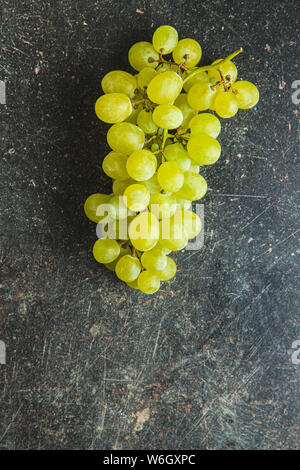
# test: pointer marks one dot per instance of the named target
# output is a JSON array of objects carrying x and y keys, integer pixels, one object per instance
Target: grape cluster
[{"x": 160, "y": 135}]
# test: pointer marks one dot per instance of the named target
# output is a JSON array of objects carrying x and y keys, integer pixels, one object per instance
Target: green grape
[
  {"x": 228, "y": 70},
  {"x": 144, "y": 231},
  {"x": 226, "y": 104},
  {"x": 200, "y": 77},
  {"x": 125, "y": 138},
  {"x": 146, "y": 123},
  {"x": 123, "y": 251},
  {"x": 128, "y": 268},
  {"x": 172, "y": 233},
  {"x": 118, "y": 81},
  {"x": 177, "y": 153},
  {"x": 191, "y": 223},
  {"x": 119, "y": 186},
  {"x": 164, "y": 88},
  {"x": 141, "y": 55},
  {"x": 106, "y": 250},
  {"x": 195, "y": 168},
  {"x": 92, "y": 203},
  {"x": 170, "y": 177},
  {"x": 114, "y": 166},
  {"x": 182, "y": 103},
  {"x": 167, "y": 116},
  {"x": 165, "y": 39},
  {"x": 118, "y": 209},
  {"x": 113, "y": 107},
  {"x": 154, "y": 260},
  {"x": 148, "y": 282},
  {"x": 205, "y": 123},
  {"x": 154, "y": 147},
  {"x": 246, "y": 93},
  {"x": 134, "y": 114},
  {"x": 200, "y": 96},
  {"x": 168, "y": 272},
  {"x": 133, "y": 284},
  {"x": 136, "y": 197},
  {"x": 193, "y": 188},
  {"x": 187, "y": 51},
  {"x": 162, "y": 205},
  {"x": 141, "y": 165},
  {"x": 145, "y": 76},
  {"x": 152, "y": 184},
  {"x": 203, "y": 149}
]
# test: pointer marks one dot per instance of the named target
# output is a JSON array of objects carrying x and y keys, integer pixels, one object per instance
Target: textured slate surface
[{"x": 205, "y": 363}]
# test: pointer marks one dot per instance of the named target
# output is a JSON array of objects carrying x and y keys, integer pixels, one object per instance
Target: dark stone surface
[{"x": 206, "y": 362}]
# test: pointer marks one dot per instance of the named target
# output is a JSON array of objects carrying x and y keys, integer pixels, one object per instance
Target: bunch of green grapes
[{"x": 161, "y": 134}]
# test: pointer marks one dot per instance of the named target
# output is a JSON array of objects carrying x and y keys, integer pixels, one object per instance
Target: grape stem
[
  {"x": 205, "y": 68},
  {"x": 164, "y": 139}
]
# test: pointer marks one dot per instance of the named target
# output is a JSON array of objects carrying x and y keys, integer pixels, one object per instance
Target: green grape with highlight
[
  {"x": 200, "y": 96},
  {"x": 170, "y": 177},
  {"x": 136, "y": 197},
  {"x": 226, "y": 105},
  {"x": 141, "y": 165},
  {"x": 92, "y": 203},
  {"x": 144, "y": 231},
  {"x": 114, "y": 166},
  {"x": 187, "y": 51},
  {"x": 118, "y": 81},
  {"x": 167, "y": 116},
  {"x": 168, "y": 272},
  {"x": 106, "y": 250},
  {"x": 148, "y": 282},
  {"x": 165, "y": 39},
  {"x": 128, "y": 268},
  {"x": 164, "y": 88},
  {"x": 203, "y": 149},
  {"x": 142, "y": 54},
  {"x": 205, "y": 123},
  {"x": 154, "y": 260},
  {"x": 113, "y": 107},
  {"x": 246, "y": 93},
  {"x": 125, "y": 138}
]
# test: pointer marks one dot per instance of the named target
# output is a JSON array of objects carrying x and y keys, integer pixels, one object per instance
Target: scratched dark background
[{"x": 206, "y": 363}]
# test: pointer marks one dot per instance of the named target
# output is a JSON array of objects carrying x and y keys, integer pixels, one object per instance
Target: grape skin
[
  {"x": 119, "y": 81},
  {"x": 128, "y": 268},
  {"x": 113, "y": 107},
  {"x": 106, "y": 250},
  {"x": 188, "y": 51},
  {"x": 114, "y": 166},
  {"x": 165, "y": 39},
  {"x": 125, "y": 138},
  {"x": 139, "y": 55},
  {"x": 167, "y": 116},
  {"x": 141, "y": 165},
  {"x": 204, "y": 149},
  {"x": 164, "y": 88}
]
